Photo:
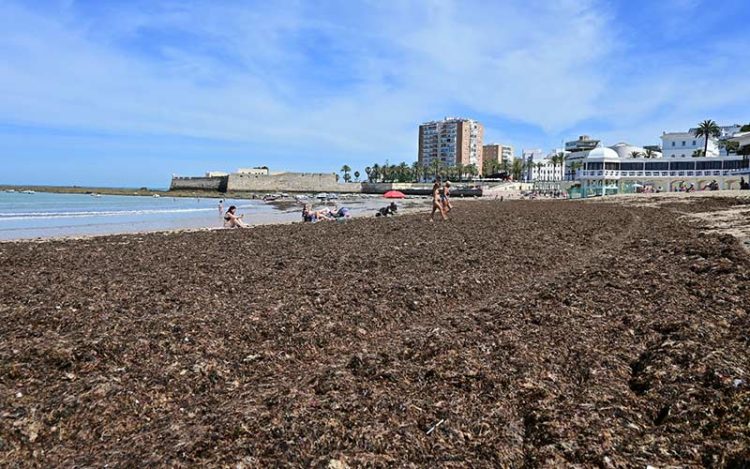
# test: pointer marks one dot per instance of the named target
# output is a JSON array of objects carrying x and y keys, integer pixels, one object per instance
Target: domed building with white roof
[
  {"x": 613, "y": 170},
  {"x": 626, "y": 150}
]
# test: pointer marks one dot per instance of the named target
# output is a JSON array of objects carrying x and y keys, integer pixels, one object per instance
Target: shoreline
[{"x": 403, "y": 211}]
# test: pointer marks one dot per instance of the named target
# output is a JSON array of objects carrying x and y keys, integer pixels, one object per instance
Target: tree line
[{"x": 517, "y": 168}]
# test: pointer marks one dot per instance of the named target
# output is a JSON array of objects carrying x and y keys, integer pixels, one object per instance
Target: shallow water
[{"x": 48, "y": 215}]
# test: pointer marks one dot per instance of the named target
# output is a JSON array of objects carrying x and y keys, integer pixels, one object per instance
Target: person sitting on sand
[
  {"x": 445, "y": 197},
  {"x": 436, "y": 202},
  {"x": 308, "y": 216},
  {"x": 232, "y": 220}
]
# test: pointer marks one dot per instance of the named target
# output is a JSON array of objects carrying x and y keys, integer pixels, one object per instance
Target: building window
[
  {"x": 673, "y": 143},
  {"x": 683, "y": 143},
  {"x": 693, "y": 142}
]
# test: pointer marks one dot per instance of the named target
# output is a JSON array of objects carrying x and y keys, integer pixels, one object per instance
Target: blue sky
[{"x": 126, "y": 93}]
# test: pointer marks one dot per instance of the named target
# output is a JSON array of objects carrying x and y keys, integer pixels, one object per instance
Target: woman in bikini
[
  {"x": 232, "y": 220},
  {"x": 437, "y": 204},
  {"x": 445, "y": 197}
]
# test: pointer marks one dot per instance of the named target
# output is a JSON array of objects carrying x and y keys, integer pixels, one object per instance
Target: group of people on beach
[{"x": 441, "y": 201}]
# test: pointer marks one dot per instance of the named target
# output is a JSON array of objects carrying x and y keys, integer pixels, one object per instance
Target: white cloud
[{"x": 349, "y": 79}]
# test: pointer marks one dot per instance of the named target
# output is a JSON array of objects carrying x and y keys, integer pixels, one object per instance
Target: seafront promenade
[{"x": 539, "y": 333}]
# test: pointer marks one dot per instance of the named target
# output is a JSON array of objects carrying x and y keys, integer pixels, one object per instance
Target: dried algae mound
[{"x": 517, "y": 334}]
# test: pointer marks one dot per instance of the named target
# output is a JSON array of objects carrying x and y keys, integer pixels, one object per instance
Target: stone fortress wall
[
  {"x": 266, "y": 182},
  {"x": 201, "y": 183},
  {"x": 289, "y": 182}
]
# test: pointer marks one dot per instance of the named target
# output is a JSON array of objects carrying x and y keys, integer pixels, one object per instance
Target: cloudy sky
[{"x": 125, "y": 93}]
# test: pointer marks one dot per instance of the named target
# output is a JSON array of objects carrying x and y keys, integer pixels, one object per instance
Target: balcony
[{"x": 647, "y": 174}]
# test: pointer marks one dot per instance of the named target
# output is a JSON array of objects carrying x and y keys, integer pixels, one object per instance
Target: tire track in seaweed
[{"x": 432, "y": 335}]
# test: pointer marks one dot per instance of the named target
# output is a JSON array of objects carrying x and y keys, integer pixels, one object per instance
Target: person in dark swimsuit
[
  {"x": 437, "y": 204},
  {"x": 232, "y": 220}
]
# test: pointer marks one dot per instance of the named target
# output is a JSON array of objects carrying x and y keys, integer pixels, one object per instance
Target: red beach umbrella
[{"x": 394, "y": 195}]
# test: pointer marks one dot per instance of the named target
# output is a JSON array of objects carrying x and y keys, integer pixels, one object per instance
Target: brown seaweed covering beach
[{"x": 525, "y": 333}]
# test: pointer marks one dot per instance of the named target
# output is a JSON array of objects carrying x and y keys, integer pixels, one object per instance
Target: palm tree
[
  {"x": 730, "y": 146},
  {"x": 345, "y": 169},
  {"x": 416, "y": 171},
  {"x": 368, "y": 171},
  {"x": 517, "y": 168},
  {"x": 435, "y": 167},
  {"x": 557, "y": 160},
  {"x": 460, "y": 170},
  {"x": 356, "y": 176},
  {"x": 375, "y": 171},
  {"x": 707, "y": 129},
  {"x": 404, "y": 172},
  {"x": 649, "y": 153},
  {"x": 636, "y": 154},
  {"x": 505, "y": 166}
]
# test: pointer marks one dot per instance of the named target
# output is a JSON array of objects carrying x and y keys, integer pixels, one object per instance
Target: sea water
[
  {"x": 49, "y": 215},
  {"x": 44, "y": 215}
]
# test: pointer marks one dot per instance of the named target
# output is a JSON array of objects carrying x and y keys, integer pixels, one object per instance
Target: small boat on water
[
  {"x": 321, "y": 196},
  {"x": 28, "y": 192},
  {"x": 332, "y": 196},
  {"x": 11, "y": 191},
  {"x": 156, "y": 196}
]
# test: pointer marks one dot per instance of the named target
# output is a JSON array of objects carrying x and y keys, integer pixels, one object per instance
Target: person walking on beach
[
  {"x": 445, "y": 197},
  {"x": 221, "y": 207},
  {"x": 437, "y": 204},
  {"x": 232, "y": 220}
]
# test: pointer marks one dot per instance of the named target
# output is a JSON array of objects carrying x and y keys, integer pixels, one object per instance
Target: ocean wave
[{"x": 101, "y": 213}]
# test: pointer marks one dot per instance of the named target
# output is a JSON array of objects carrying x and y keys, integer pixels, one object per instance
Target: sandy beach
[{"x": 611, "y": 333}]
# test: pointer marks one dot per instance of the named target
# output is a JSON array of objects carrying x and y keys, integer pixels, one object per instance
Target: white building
[
  {"x": 686, "y": 144},
  {"x": 743, "y": 138},
  {"x": 539, "y": 166},
  {"x": 626, "y": 150},
  {"x": 603, "y": 172},
  {"x": 530, "y": 158},
  {"x": 261, "y": 171}
]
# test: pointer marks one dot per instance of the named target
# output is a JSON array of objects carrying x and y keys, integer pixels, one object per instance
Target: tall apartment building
[
  {"x": 497, "y": 153},
  {"x": 452, "y": 141}
]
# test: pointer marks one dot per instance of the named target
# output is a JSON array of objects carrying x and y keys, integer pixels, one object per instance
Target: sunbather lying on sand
[{"x": 312, "y": 216}]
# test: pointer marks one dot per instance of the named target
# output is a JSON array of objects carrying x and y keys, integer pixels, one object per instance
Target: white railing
[{"x": 639, "y": 174}]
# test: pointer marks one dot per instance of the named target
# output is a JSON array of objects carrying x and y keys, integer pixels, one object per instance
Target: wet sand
[{"x": 524, "y": 333}]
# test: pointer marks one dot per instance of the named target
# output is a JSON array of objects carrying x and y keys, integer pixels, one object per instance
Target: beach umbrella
[{"x": 394, "y": 195}]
